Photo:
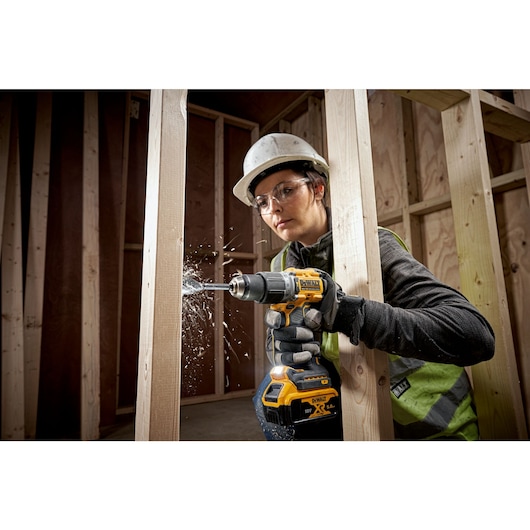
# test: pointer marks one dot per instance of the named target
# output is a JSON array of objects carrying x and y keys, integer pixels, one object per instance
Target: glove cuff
[{"x": 350, "y": 317}]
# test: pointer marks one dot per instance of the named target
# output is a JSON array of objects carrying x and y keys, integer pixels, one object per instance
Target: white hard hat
[{"x": 274, "y": 150}]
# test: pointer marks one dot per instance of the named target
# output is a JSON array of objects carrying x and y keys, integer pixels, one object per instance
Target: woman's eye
[
  {"x": 261, "y": 203},
  {"x": 283, "y": 192}
]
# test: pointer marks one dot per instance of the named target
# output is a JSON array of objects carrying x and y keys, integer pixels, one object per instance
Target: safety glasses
[{"x": 282, "y": 193}]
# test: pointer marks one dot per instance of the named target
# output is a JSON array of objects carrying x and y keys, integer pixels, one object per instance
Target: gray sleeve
[{"x": 421, "y": 317}]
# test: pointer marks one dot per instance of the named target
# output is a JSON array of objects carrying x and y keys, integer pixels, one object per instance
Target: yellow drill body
[{"x": 304, "y": 392}]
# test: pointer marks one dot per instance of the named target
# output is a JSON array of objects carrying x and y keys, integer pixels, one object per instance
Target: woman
[{"x": 429, "y": 330}]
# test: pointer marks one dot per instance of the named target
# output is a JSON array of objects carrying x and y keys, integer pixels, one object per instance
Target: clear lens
[{"x": 282, "y": 193}]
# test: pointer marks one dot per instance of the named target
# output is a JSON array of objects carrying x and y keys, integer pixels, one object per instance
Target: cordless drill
[{"x": 301, "y": 393}]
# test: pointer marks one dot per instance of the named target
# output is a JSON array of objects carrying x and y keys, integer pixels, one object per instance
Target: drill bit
[{"x": 191, "y": 286}]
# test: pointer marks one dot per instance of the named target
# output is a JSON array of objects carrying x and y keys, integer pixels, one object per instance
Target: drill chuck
[{"x": 264, "y": 288}]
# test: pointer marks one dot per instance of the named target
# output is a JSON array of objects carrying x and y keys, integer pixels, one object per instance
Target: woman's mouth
[{"x": 281, "y": 223}]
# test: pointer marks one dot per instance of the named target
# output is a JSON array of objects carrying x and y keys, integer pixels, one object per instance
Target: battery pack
[{"x": 285, "y": 405}]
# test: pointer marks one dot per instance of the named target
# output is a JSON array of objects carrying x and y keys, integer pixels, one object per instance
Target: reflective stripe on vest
[{"x": 430, "y": 400}]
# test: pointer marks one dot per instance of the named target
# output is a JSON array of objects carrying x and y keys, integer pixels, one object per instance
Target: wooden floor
[{"x": 228, "y": 420}]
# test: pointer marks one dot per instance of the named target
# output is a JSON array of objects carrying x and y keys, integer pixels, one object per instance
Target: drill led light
[{"x": 277, "y": 372}]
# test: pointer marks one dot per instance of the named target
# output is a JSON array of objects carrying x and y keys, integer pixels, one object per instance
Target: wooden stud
[
  {"x": 122, "y": 245},
  {"x": 314, "y": 127},
  {"x": 36, "y": 258},
  {"x": 367, "y": 413},
  {"x": 522, "y": 99},
  {"x": 284, "y": 126},
  {"x": 410, "y": 184},
  {"x": 5, "y": 127},
  {"x": 497, "y": 391},
  {"x": 160, "y": 346},
  {"x": 219, "y": 188},
  {"x": 12, "y": 301},
  {"x": 261, "y": 362},
  {"x": 90, "y": 329}
]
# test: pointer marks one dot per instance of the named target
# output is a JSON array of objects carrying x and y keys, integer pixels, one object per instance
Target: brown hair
[{"x": 316, "y": 179}]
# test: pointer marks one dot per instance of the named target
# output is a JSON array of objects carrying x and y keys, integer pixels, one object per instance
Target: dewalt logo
[{"x": 309, "y": 285}]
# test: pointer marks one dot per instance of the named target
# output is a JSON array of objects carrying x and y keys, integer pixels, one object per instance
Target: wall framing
[{"x": 413, "y": 192}]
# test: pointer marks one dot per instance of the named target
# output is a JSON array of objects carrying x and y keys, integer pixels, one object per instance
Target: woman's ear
[{"x": 319, "y": 191}]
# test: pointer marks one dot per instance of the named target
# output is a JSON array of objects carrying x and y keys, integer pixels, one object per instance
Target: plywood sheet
[
  {"x": 199, "y": 230},
  {"x": 386, "y": 137},
  {"x": 238, "y": 347},
  {"x": 439, "y": 241},
  {"x": 431, "y": 161}
]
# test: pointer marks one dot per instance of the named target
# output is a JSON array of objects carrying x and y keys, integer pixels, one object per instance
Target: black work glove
[
  {"x": 291, "y": 345},
  {"x": 337, "y": 311}
]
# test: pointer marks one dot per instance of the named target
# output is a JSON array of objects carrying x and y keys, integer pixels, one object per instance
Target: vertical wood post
[
  {"x": 410, "y": 184},
  {"x": 522, "y": 99},
  {"x": 261, "y": 363},
  {"x": 219, "y": 215},
  {"x": 5, "y": 128},
  {"x": 366, "y": 405},
  {"x": 34, "y": 290},
  {"x": 159, "y": 366},
  {"x": 90, "y": 330},
  {"x": 123, "y": 216},
  {"x": 12, "y": 301},
  {"x": 497, "y": 390}
]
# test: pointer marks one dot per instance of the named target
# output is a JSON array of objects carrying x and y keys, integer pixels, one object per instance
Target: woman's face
[{"x": 299, "y": 214}]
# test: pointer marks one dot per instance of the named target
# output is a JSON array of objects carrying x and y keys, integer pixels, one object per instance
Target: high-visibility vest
[{"x": 429, "y": 400}]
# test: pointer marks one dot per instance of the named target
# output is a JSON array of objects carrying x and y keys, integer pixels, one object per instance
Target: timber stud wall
[{"x": 73, "y": 169}]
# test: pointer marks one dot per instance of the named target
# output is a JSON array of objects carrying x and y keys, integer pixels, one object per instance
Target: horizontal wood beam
[
  {"x": 437, "y": 99},
  {"x": 431, "y": 205},
  {"x": 212, "y": 398},
  {"x": 213, "y": 115},
  {"x": 506, "y": 182},
  {"x": 509, "y": 181},
  {"x": 500, "y": 117},
  {"x": 390, "y": 218},
  {"x": 504, "y": 119}
]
